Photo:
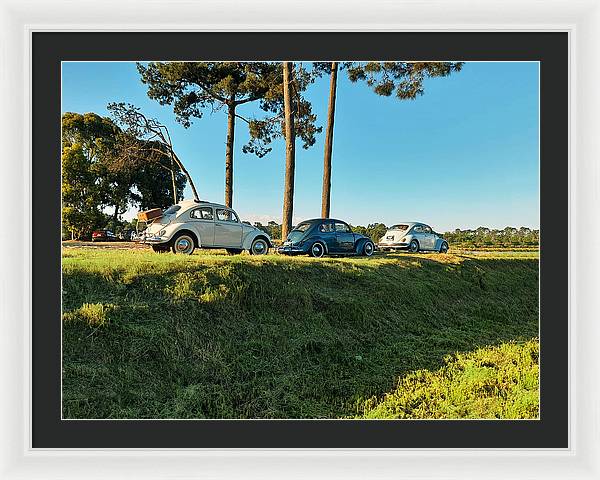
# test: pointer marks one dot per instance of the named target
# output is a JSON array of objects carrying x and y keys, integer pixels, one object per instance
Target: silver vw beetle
[
  {"x": 414, "y": 237},
  {"x": 190, "y": 224}
]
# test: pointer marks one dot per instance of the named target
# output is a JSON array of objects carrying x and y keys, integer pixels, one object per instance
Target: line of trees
[
  {"x": 486, "y": 237},
  {"x": 135, "y": 146}
]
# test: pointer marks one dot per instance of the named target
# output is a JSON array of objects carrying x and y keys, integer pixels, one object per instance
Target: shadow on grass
[{"x": 277, "y": 338}]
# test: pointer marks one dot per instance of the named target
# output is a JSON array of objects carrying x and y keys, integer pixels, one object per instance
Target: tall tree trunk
[
  {"x": 173, "y": 181},
  {"x": 290, "y": 159},
  {"x": 115, "y": 217},
  {"x": 229, "y": 154},
  {"x": 326, "y": 196}
]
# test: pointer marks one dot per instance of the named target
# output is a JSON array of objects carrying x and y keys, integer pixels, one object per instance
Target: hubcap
[
  {"x": 369, "y": 248},
  {"x": 183, "y": 245},
  {"x": 259, "y": 247}
]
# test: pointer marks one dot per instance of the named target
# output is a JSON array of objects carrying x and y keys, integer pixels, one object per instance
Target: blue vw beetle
[{"x": 326, "y": 236}]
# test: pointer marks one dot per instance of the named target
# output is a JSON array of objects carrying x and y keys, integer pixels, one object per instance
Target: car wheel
[
  {"x": 233, "y": 251},
  {"x": 414, "y": 246},
  {"x": 317, "y": 250},
  {"x": 444, "y": 248},
  {"x": 259, "y": 247},
  {"x": 183, "y": 244},
  {"x": 368, "y": 249}
]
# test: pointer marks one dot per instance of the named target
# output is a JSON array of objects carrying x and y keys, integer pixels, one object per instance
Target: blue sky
[{"x": 463, "y": 155}]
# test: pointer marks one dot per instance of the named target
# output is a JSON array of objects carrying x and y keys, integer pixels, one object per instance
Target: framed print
[
  {"x": 302, "y": 249},
  {"x": 125, "y": 366}
]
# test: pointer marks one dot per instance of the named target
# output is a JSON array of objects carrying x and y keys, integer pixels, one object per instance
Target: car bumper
[
  {"x": 393, "y": 246},
  {"x": 153, "y": 240},
  {"x": 291, "y": 250}
]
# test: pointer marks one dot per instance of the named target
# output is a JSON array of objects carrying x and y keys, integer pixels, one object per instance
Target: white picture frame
[{"x": 17, "y": 22}]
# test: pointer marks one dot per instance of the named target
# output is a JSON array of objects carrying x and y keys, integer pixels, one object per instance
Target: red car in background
[{"x": 103, "y": 236}]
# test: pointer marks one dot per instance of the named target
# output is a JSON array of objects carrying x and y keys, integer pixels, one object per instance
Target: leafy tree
[
  {"x": 154, "y": 184},
  {"x": 404, "y": 79},
  {"x": 274, "y": 230},
  {"x": 374, "y": 230},
  {"x": 96, "y": 174},
  {"x": 81, "y": 196},
  {"x": 149, "y": 136},
  {"x": 91, "y": 131},
  {"x": 194, "y": 87},
  {"x": 87, "y": 185}
]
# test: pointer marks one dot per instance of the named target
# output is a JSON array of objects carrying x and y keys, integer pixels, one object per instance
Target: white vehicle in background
[
  {"x": 414, "y": 237},
  {"x": 191, "y": 224}
]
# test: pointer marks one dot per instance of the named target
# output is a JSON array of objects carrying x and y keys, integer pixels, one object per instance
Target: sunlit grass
[{"x": 491, "y": 382}]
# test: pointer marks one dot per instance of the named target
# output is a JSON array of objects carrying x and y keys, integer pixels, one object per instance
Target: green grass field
[{"x": 216, "y": 336}]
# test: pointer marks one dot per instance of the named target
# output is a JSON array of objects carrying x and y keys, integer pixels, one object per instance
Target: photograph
[{"x": 301, "y": 240}]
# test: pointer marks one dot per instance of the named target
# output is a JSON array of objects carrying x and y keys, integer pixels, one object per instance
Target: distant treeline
[
  {"x": 488, "y": 237},
  {"x": 480, "y": 237}
]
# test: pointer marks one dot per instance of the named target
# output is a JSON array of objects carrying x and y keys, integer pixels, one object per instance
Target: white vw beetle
[
  {"x": 412, "y": 236},
  {"x": 191, "y": 224}
]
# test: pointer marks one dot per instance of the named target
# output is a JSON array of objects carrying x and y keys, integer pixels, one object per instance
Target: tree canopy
[
  {"x": 96, "y": 177},
  {"x": 402, "y": 79},
  {"x": 193, "y": 87}
]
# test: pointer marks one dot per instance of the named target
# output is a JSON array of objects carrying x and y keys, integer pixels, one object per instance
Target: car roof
[
  {"x": 185, "y": 204},
  {"x": 410, "y": 224},
  {"x": 319, "y": 220}
]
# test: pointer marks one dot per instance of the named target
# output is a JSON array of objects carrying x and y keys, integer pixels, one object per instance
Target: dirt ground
[{"x": 113, "y": 245}]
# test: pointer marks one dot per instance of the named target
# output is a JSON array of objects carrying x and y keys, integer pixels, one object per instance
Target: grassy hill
[{"x": 214, "y": 336}]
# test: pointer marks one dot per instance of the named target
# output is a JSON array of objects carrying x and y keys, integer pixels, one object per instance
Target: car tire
[
  {"x": 234, "y": 251},
  {"x": 368, "y": 249},
  {"x": 444, "y": 248},
  {"x": 183, "y": 244},
  {"x": 413, "y": 247},
  {"x": 259, "y": 247},
  {"x": 317, "y": 250}
]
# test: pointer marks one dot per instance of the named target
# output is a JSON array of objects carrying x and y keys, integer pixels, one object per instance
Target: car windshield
[
  {"x": 298, "y": 232},
  {"x": 400, "y": 226},
  {"x": 171, "y": 210}
]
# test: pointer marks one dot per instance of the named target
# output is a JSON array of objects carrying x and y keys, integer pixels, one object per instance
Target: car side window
[
  {"x": 326, "y": 227},
  {"x": 203, "y": 213},
  {"x": 342, "y": 227},
  {"x": 426, "y": 229},
  {"x": 227, "y": 216},
  {"x": 418, "y": 229}
]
